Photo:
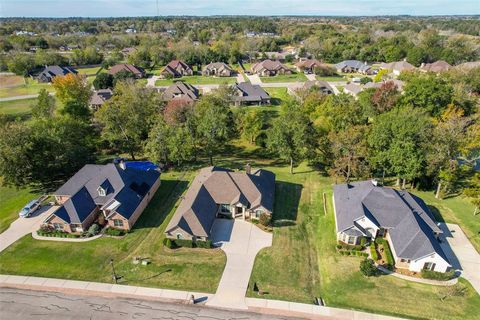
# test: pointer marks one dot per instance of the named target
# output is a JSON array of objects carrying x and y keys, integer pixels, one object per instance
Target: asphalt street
[{"x": 25, "y": 305}]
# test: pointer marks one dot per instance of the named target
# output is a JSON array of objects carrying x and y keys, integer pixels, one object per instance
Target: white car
[{"x": 30, "y": 208}]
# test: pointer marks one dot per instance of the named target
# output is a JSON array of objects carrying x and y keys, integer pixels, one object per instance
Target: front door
[{"x": 238, "y": 212}]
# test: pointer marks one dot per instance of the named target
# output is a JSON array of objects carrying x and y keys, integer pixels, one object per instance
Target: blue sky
[{"x": 118, "y": 8}]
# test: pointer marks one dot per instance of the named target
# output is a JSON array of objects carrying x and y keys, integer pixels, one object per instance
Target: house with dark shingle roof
[
  {"x": 180, "y": 90},
  {"x": 248, "y": 94},
  {"x": 366, "y": 209},
  {"x": 220, "y": 192},
  {"x": 136, "y": 71},
  {"x": 99, "y": 97},
  {"x": 354, "y": 66},
  {"x": 50, "y": 72},
  {"x": 176, "y": 69},
  {"x": 268, "y": 68},
  {"x": 119, "y": 192},
  {"x": 218, "y": 69}
]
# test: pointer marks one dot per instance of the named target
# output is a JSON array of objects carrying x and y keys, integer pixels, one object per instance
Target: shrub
[
  {"x": 363, "y": 240},
  {"x": 114, "y": 232},
  {"x": 93, "y": 230},
  {"x": 365, "y": 80},
  {"x": 434, "y": 275},
  {"x": 167, "y": 242},
  {"x": 184, "y": 243},
  {"x": 367, "y": 267},
  {"x": 204, "y": 244},
  {"x": 339, "y": 246},
  {"x": 373, "y": 251},
  {"x": 264, "y": 219},
  {"x": 357, "y": 247},
  {"x": 388, "y": 254}
]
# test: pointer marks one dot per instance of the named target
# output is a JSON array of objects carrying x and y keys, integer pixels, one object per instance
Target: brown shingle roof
[{"x": 127, "y": 67}]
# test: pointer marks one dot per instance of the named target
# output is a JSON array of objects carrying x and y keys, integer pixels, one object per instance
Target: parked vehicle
[{"x": 30, "y": 208}]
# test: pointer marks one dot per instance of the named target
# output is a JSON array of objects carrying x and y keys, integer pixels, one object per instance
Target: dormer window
[{"x": 101, "y": 192}]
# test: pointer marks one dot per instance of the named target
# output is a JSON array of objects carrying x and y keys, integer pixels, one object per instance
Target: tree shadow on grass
[
  {"x": 161, "y": 205},
  {"x": 287, "y": 200}
]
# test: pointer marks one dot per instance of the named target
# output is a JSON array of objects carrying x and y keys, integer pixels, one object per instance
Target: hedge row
[
  {"x": 58, "y": 234},
  {"x": 434, "y": 275},
  {"x": 353, "y": 253},
  {"x": 176, "y": 243},
  {"x": 114, "y": 232},
  {"x": 373, "y": 251},
  {"x": 388, "y": 252}
]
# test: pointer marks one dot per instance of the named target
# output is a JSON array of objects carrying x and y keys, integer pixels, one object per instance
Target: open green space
[
  {"x": 278, "y": 95},
  {"x": 16, "y": 107},
  {"x": 295, "y": 77},
  {"x": 195, "y": 269},
  {"x": 89, "y": 71},
  {"x": 12, "y": 200},
  {"x": 31, "y": 87},
  {"x": 197, "y": 80},
  {"x": 332, "y": 78}
]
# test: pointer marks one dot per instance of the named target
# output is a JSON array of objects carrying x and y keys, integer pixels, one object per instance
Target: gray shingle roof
[
  {"x": 181, "y": 89},
  {"x": 214, "y": 186},
  {"x": 250, "y": 92},
  {"x": 54, "y": 71},
  {"x": 354, "y": 64},
  {"x": 409, "y": 221}
]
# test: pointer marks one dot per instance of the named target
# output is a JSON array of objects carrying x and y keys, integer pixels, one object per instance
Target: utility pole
[{"x": 114, "y": 275}]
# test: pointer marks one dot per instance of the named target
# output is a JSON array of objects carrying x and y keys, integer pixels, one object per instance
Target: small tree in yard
[{"x": 367, "y": 268}]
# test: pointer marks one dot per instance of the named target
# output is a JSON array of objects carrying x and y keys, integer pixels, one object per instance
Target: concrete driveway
[
  {"x": 461, "y": 253},
  {"x": 241, "y": 241},
  {"x": 24, "y": 226},
  {"x": 254, "y": 78}
]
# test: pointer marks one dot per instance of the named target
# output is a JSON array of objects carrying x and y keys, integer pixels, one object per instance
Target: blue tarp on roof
[{"x": 141, "y": 165}]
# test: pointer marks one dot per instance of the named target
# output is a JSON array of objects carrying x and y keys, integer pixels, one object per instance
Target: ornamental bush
[
  {"x": 441, "y": 276},
  {"x": 367, "y": 268},
  {"x": 373, "y": 251}
]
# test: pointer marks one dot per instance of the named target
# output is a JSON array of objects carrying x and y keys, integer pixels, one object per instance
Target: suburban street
[{"x": 24, "y": 305}]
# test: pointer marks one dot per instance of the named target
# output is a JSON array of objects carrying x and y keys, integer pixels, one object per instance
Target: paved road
[
  {"x": 461, "y": 253},
  {"x": 241, "y": 242},
  {"x": 24, "y": 226},
  {"x": 24, "y": 305}
]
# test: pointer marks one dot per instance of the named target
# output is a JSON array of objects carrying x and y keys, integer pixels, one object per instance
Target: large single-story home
[
  {"x": 437, "y": 67},
  {"x": 50, "y": 72},
  {"x": 366, "y": 209},
  {"x": 397, "y": 67},
  {"x": 136, "y": 71},
  {"x": 268, "y": 68},
  {"x": 119, "y": 192},
  {"x": 310, "y": 85},
  {"x": 352, "y": 66},
  {"x": 99, "y": 97},
  {"x": 248, "y": 94},
  {"x": 180, "y": 90},
  {"x": 219, "y": 192},
  {"x": 309, "y": 65},
  {"x": 176, "y": 69},
  {"x": 218, "y": 69}
]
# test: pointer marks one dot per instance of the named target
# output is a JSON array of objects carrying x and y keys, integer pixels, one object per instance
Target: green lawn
[
  {"x": 89, "y": 71},
  {"x": 193, "y": 269},
  {"x": 197, "y": 80},
  {"x": 16, "y": 107},
  {"x": 296, "y": 77},
  {"x": 332, "y": 78},
  {"x": 278, "y": 95},
  {"x": 32, "y": 87},
  {"x": 303, "y": 264},
  {"x": 12, "y": 201}
]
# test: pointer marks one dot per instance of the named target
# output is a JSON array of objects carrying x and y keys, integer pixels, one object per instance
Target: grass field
[
  {"x": 196, "y": 269},
  {"x": 278, "y": 95},
  {"x": 17, "y": 107},
  {"x": 12, "y": 201},
  {"x": 10, "y": 81},
  {"x": 296, "y": 77},
  {"x": 89, "y": 71},
  {"x": 32, "y": 87},
  {"x": 333, "y": 78},
  {"x": 197, "y": 80}
]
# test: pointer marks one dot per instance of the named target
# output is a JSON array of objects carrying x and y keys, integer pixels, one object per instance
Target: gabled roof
[
  {"x": 218, "y": 66},
  {"x": 354, "y": 64},
  {"x": 100, "y": 96},
  {"x": 250, "y": 92},
  {"x": 309, "y": 63},
  {"x": 437, "y": 66},
  {"x": 270, "y": 65},
  {"x": 175, "y": 64},
  {"x": 214, "y": 186},
  {"x": 180, "y": 89},
  {"x": 398, "y": 66},
  {"x": 127, "y": 186},
  {"x": 125, "y": 67},
  {"x": 50, "y": 72},
  {"x": 409, "y": 221},
  {"x": 322, "y": 85}
]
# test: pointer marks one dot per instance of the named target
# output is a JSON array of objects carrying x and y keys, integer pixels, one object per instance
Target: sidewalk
[{"x": 274, "y": 307}]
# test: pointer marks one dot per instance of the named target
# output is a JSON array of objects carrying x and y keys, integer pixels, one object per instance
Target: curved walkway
[
  {"x": 241, "y": 241},
  {"x": 419, "y": 280},
  {"x": 38, "y": 237}
]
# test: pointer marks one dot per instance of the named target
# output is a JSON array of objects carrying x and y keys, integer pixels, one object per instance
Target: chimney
[
  {"x": 248, "y": 168},
  {"x": 122, "y": 164}
]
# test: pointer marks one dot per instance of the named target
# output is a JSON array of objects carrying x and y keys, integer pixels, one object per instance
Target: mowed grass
[
  {"x": 197, "y": 80},
  {"x": 330, "y": 78},
  {"x": 188, "y": 269},
  {"x": 31, "y": 87},
  {"x": 295, "y": 77},
  {"x": 89, "y": 71},
  {"x": 17, "y": 107},
  {"x": 12, "y": 200},
  {"x": 303, "y": 263},
  {"x": 7, "y": 81},
  {"x": 278, "y": 95}
]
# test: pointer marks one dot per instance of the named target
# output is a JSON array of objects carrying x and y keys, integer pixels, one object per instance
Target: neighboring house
[
  {"x": 353, "y": 89},
  {"x": 136, "y": 71},
  {"x": 218, "y": 69},
  {"x": 219, "y": 192},
  {"x": 354, "y": 66},
  {"x": 308, "y": 66},
  {"x": 467, "y": 66},
  {"x": 310, "y": 85},
  {"x": 128, "y": 51},
  {"x": 397, "y": 67},
  {"x": 436, "y": 67},
  {"x": 99, "y": 97},
  {"x": 181, "y": 91},
  {"x": 247, "y": 94},
  {"x": 268, "y": 68},
  {"x": 176, "y": 69},
  {"x": 365, "y": 209},
  {"x": 50, "y": 72},
  {"x": 119, "y": 192}
]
